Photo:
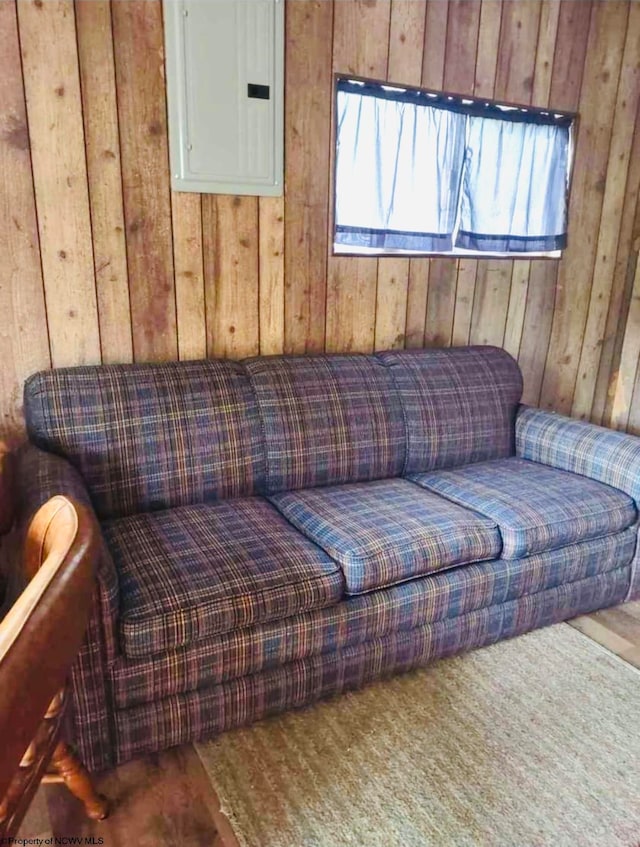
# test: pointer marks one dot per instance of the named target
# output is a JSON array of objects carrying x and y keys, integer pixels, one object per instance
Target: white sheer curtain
[
  {"x": 514, "y": 186},
  {"x": 398, "y": 172}
]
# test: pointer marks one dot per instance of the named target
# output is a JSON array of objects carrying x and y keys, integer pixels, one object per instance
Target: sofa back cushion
[
  {"x": 459, "y": 404},
  {"x": 327, "y": 420},
  {"x": 148, "y": 437}
]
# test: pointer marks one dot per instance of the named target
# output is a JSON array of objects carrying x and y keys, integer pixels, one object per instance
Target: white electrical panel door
[{"x": 225, "y": 85}]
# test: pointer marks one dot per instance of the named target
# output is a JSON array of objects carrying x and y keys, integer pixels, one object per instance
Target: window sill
[{"x": 342, "y": 250}]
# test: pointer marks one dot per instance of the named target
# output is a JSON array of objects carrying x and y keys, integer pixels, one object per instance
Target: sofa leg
[{"x": 77, "y": 780}]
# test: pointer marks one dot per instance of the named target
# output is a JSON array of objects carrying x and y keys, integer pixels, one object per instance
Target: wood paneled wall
[{"x": 101, "y": 261}]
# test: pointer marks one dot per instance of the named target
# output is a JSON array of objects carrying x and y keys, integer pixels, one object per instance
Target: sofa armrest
[
  {"x": 41, "y": 475},
  {"x": 571, "y": 445}
]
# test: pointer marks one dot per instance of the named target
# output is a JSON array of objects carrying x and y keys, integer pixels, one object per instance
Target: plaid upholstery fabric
[
  {"x": 536, "y": 507},
  {"x": 388, "y": 531},
  {"x": 147, "y": 437},
  {"x": 42, "y": 475},
  {"x": 459, "y": 404},
  {"x": 583, "y": 448},
  {"x": 201, "y": 714},
  {"x": 327, "y": 420},
  {"x": 193, "y": 571},
  {"x": 361, "y": 619}
]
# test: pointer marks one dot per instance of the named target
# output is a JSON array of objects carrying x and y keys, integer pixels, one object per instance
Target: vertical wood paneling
[
  {"x": 230, "y": 226},
  {"x": 54, "y": 109},
  {"x": 24, "y": 345},
  {"x": 102, "y": 140},
  {"x": 566, "y": 80},
  {"x": 132, "y": 270},
  {"x": 628, "y": 246},
  {"x": 139, "y": 54},
  {"x": 360, "y": 46},
  {"x": 615, "y": 181},
  {"x": 271, "y": 275},
  {"x": 186, "y": 216},
  {"x": 630, "y": 356},
  {"x": 309, "y": 27},
  {"x": 597, "y": 104}
]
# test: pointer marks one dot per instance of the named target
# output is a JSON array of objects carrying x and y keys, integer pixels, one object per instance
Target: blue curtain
[
  {"x": 514, "y": 187},
  {"x": 421, "y": 172},
  {"x": 398, "y": 171}
]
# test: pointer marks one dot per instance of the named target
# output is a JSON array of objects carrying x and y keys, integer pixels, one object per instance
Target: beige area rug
[{"x": 533, "y": 742}]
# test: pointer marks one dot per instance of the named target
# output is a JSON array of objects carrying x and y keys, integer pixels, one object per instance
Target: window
[{"x": 422, "y": 172}]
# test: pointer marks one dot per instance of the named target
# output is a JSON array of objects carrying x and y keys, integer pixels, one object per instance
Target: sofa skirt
[{"x": 207, "y": 711}]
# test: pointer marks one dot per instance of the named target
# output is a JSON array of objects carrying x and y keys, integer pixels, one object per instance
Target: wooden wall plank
[
  {"x": 463, "y": 310},
  {"x": 230, "y": 228},
  {"x": 633, "y": 422},
  {"x": 406, "y": 40},
  {"x": 391, "y": 304},
  {"x": 597, "y": 104},
  {"x": 490, "y": 302},
  {"x": 519, "y": 288},
  {"x": 435, "y": 44},
  {"x": 628, "y": 97},
  {"x": 360, "y": 46},
  {"x": 629, "y": 361},
  {"x": 24, "y": 344},
  {"x": 417, "y": 293},
  {"x": 52, "y": 84},
  {"x": 271, "y": 274},
  {"x": 139, "y": 56},
  {"x": 102, "y": 140},
  {"x": 487, "y": 54},
  {"x": 309, "y": 26},
  {"x": 621, "y": 288},
  {"x": 566, "y": 80},
  {"x": 186, "y": 214},
  {"x": 443, "y": 277}
]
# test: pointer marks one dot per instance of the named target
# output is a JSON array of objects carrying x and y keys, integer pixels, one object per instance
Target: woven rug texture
[{"x": 533, "y": 742}]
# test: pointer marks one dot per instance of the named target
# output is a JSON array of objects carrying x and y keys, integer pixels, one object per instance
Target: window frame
[{"x": 555, "y": 256}]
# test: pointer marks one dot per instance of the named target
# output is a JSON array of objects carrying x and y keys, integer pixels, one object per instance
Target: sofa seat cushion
[
  {"x": 388, "y": 531},
  {"x": 536, "y": 507},
  {"x": 191, "y": 572}
]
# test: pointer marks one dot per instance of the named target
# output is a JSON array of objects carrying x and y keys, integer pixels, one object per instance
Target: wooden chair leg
[{"x": 78, "y": 781}]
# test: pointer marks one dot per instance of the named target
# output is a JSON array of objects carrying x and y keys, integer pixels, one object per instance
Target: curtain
[
  {"x": 398, "y": 173},
  {"x": 514, "y": 186},
  {"x": 424, "y": 172}
]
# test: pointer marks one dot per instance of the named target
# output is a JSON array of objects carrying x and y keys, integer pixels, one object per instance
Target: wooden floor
[{"x": 166, "y": 800}]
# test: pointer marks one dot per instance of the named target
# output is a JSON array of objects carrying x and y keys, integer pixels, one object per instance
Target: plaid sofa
[{"x": 285, "y": 528}]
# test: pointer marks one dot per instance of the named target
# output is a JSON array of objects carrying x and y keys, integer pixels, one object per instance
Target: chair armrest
[
  {"x": 40, "y": 476},
  {"x": 571, "y": 445}
]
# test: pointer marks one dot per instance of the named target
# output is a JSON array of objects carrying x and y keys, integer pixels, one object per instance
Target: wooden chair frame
[{"x": 39, "y": 639}]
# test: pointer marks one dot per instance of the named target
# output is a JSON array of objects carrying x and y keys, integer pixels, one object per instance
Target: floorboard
[{"x": 166, "y": 800}]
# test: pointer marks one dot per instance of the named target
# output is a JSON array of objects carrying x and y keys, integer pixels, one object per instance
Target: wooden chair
[
  {"x": 6, "y": 488},
  {"x": 39, "y": 639}
]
